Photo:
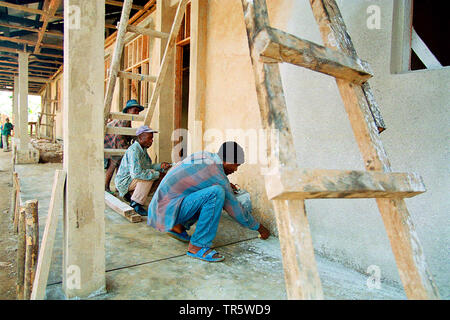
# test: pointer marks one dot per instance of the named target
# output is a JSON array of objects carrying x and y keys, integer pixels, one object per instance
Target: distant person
[
  {"x": 137, "y": 173},
  {"x": 117, "y": 141},
  {"x": 6, "y": 133},
  {"x": 197, "y": 190}
]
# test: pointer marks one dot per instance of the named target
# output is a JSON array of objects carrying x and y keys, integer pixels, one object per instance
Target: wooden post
[
  {"x": 31, "y": 246},
  {"x": 45, "y": 254},
  {"x": 84, "y": 208},
  {"x": 417, "y": 279},
  {"x": 16, "y": 199},
  {"x": 21, "y": 241}
]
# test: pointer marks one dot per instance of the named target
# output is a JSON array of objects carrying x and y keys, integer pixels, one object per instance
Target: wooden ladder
[
  {"x": 114, "y": 71},
  {"x": 288, "y": 186},
  {"x": 50, "y": 117}
]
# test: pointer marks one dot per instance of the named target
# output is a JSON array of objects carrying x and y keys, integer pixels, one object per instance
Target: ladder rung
[
  {"x": 136, "y": 76},
  {"x": 115, "y": 152},
  {"x": 147, "y": 32},
  {"x": 288, "y": 184},
  {"x": 121, "y": 131},
  {"x": 277, "y": 46},
  {"x": 126, "y": 116},
  {"x": 46, "y": 125}
]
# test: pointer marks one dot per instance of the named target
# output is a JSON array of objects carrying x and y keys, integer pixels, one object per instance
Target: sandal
[
  {"x": 208, "y": 257},
  {"x": 184, "y": 237}
]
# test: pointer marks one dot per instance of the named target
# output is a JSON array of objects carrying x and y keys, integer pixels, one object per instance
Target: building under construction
[{"x": 341, "y": 107}]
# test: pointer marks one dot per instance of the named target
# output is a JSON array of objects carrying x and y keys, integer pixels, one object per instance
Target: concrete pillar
[
  {"x": 164, "y": 112},
  {"x": 84, "y": 221},
  {"x": 15, "y": 108},
  {"x": 24, "y": 139},
  {"x": 197, "y": 74}
]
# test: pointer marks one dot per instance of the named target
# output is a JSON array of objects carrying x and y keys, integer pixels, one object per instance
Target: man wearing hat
[
  {"x": 115, "y": 141},
  {"x": 136, "y": 173}
]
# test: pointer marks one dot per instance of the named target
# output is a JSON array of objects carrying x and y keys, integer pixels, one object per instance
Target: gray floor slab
[{"x": 142, "y": 263}]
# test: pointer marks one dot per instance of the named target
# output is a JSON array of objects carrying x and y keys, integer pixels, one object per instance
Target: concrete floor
[{"x": 142, "y": 263}]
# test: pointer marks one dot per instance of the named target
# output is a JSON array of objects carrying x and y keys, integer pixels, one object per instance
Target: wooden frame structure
[{"x": 301, "y": 276}]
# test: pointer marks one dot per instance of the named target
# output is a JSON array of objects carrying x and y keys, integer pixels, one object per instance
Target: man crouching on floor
[
  {"x": 196, "y": 190},
  {"x": 136, "y": 173}
]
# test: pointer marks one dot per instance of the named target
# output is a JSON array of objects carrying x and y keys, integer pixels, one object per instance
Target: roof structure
[{"x": 37, "y": 27}]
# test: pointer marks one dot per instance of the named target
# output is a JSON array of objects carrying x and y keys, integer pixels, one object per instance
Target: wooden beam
[
  {"x": 13, "y": 26},
  {"x": 147, "y": 32},
  {"x": 32, "y": 43},
  {"x": 135, "y": 76},
  {"x": 317, "y": 183},
  {"x": 32, "y": 245},
  {"x": 46, "y": 61},
  {"x": 414, "y": 273},
  {"x": 425, "y": 55},
  {"x": 120, "y": 4},
  {"x": 280, "y": 46},
  {"x": 48, "y": 238},
  {"x": 50, "y": 9},
  {"x": 21, "y": 8},
  {"x": 21, "y": 244},
  {"x": 126, "y": 116},
  {"x": 122, "y": 208},
  {"x": 121, "y": 131},
  {"x": 115, "y": 152}
]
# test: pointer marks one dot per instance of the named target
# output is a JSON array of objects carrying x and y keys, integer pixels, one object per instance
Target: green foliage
[{"x": 34, "y": 105}]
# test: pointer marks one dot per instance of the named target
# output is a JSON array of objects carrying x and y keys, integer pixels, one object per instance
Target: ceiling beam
[
  {"x": 24, "y": 8},
  {"x": 49, "y": 32},
  {"x": 120, "y": 4},
  {"x": 50, "y": 9},
  {"x": 32, "y": 43}
]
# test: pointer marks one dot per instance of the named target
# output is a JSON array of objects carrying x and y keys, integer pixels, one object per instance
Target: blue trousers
[{"x": 204, "y": 207}]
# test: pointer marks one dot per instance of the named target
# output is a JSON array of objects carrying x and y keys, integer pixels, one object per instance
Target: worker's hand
[
  {"x": 233, "y": 187},
  {"x": 263, "y": 232},
  {"x": 165, "y": 165}
]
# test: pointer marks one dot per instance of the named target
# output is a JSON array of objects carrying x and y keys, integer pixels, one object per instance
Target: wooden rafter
[
  {"x": 120, "y": 4},
  {"x": 32, "y": 43},
  {"x": 51, "y": 6},
  {"x": 13, "y": 26},
  {"x": 24, "y": 8}
]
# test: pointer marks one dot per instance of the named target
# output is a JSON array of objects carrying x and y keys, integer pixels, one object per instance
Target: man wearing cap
[
  {"x": 116, "y": 141},
  {"x": 137, "y": 173},
  {"x": 197, "y": 190}
]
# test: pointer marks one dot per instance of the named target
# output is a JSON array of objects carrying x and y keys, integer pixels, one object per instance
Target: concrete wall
[{"x": 414, "y": 107}]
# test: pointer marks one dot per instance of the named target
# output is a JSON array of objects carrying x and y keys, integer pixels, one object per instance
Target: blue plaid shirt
[
  {"x": 136, "y": 164},
  {"x": 198, "y": 171}
]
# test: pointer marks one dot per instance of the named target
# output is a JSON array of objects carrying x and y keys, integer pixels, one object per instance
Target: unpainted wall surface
[{"x": 414, "y": 106}]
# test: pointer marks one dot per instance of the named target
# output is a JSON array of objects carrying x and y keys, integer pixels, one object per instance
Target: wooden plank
[
  {"x": 122, "y": 208},
  {"x": 50, "y": 9},
  {"x": 167, "y": 59},
  {"x": 147, "y": 32},
  {"x": 280, "y": 46},
  {"x": 317, "y": 183},
  {"x": 120, "y": 4},
  {"x": 48, "y": 238},
  {"x": 136, "y": 76},
  {"x": 21, "y": 244},
  {"x": 115, "y": 62},
  {"x": 16, "y": 200},
  {"x": 21, "y": 8},
  {"x": 31, "y": 43},
  {"x": 121, "y": 130},
  {"x": 32, "y": 245},
  {"x": 301, "y": 275},
  {"x": 115, "y": 152},
  {"x": 126, "y": 116},
  {"x": 425, "y": 55},
  {"x": 414, "y": 273}
]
